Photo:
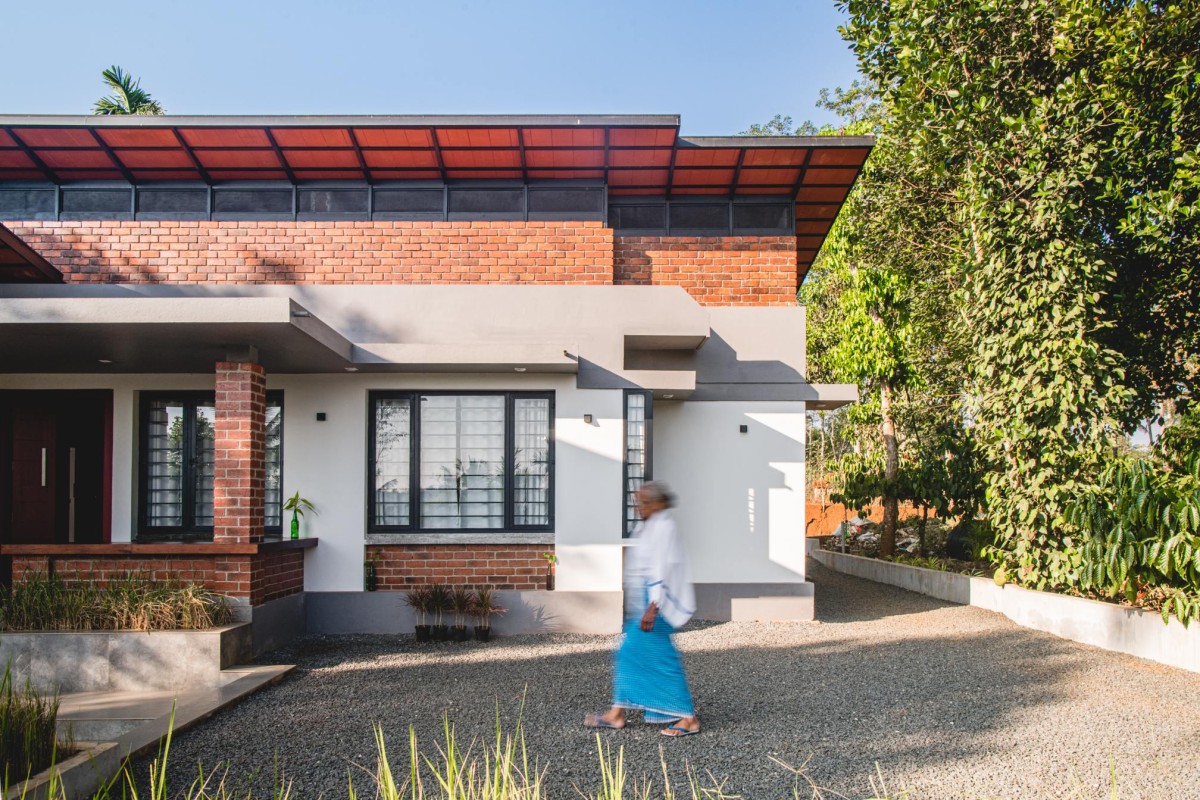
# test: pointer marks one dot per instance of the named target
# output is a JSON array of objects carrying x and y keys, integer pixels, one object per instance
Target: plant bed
[
  {"x": 88, "y": 767},
  {"x": 1122, "y": 629}
]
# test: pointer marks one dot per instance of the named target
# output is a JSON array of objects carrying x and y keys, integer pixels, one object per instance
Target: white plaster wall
[
  {"x": 326, "y": 462},
  {"x": 741, "y": 495}
]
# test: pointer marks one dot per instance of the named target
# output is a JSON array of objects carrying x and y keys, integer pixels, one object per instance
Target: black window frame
[
  {"x": 188, "y": 532},
  {"x": 626, "y": 502},
  {"x": 414, "y": 525}
]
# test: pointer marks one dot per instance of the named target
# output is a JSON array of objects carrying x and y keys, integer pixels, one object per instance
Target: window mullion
[
  {"x": 414, "y": 462},
  {"x": 187, "y": 472},
  {"x": 510, "y": 478}
]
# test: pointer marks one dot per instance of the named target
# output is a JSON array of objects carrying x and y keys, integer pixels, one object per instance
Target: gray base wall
[
  {"x": 88, "y": 661},
  {"x": 278, "y": 622},
  {"x": 755, "y": 602},
  {"x": 528, "y": 612}
]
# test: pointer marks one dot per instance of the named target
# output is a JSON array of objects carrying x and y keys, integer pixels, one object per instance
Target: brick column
[{"x": 239, "y": 452}]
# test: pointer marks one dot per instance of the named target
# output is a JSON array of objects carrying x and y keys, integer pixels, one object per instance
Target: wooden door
[{"x": 35, "y": 498}]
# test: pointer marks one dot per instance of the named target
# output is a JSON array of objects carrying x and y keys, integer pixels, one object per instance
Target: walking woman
[{"x": 659, "y": 598}]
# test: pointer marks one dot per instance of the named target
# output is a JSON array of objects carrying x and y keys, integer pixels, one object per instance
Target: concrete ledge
[
  {"x": 528, "y": 612},
  {"x": 755, "y": 602},
  {"x": 1120, "y": 629},
  {"x": 78, "y": 777},
  {"x": 88, "y": 661}
]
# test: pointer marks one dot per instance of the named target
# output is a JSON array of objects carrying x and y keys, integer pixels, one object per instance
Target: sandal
[
  {"x": 677, "y": 732},
  {"x": 597, "y": 720}
]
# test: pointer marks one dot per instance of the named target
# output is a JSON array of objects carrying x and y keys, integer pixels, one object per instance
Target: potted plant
[
  {"x": 370, "y": 573},
  {"x": 299, "y": 506},
  {"x": 483, "y": 609},
  {"x": 461, "y": 601},
  {"x": 418, "y": 600},
  {"x": 551, "y": 561},
  {"x": 439, "y": 604}
]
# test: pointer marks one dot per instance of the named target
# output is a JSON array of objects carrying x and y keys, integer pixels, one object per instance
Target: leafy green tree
[
  {"x": 1066, "y": 133},
  {"x": 879, "y": 311},
  {"x": 781, "y": 125},
  {"x": 128, "y": 97}
]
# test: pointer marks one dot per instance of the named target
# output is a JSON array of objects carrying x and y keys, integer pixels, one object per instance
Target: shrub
[
  {"x": 1141, "y": 534},
  {"x": 45, "y": 603}
]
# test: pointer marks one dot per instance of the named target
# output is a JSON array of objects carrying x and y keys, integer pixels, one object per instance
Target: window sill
[{"x": 469, "y": 537}]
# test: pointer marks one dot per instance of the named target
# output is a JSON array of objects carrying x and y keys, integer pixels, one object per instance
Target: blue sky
[{"x": 721, "y": 65}]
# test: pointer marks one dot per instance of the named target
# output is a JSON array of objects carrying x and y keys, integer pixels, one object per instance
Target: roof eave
[{"x": 357, "y": 121}]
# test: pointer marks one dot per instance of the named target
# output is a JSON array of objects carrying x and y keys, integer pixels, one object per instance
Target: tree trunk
[
  {"x": 891, "y": 506},
  {"x": 921, "y": 537},
  {"x": 824, "y": 467}
]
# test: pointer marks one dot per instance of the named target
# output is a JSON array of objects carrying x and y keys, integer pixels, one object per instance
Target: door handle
[{"x": 43, "y": 467}]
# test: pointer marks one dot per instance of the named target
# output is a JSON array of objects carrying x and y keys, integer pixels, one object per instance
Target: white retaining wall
[{"x": 1112, "y": 627}]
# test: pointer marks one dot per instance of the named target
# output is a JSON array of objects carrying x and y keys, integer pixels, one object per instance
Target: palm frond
[{"x": 128, "y": 97}]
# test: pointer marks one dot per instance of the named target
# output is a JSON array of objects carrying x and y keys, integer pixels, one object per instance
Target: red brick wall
[
  {"x": 239, "y": 449},
  {"x": 324, "y": 252},
  {"x": 501, "y": 566},
  {"x": 258, "y": 578},
  {"x": 722, "y": 270},
  {"x": 225, "y": 574},
  {"x": 276, "y": 574},
  {"x": 717, "y": 271}
]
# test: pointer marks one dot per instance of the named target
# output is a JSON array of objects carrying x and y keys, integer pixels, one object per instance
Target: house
[{"x": 466, "y": 340}]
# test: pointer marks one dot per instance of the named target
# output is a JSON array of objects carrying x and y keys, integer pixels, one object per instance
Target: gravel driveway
[{"x": 949, "y": 701}]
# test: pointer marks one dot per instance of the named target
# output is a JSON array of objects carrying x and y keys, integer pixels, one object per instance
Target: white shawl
[{"x": 658, "y": 558}]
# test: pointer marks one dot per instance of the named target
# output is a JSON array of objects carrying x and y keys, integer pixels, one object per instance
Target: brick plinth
[
  {"x": 275, "y": 574},
  {"x": 716, "y": 271},
  {"x": 502, "y": 566},
  {"x": 324, "y": 252},
  {"x": 257, "y": 577},
  {"x": 239, "y": 452}
]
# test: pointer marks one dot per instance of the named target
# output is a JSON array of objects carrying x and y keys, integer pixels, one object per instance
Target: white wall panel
[{"x": 741, "y": 495}]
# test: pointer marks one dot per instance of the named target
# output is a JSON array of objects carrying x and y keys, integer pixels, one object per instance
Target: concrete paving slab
[{"x": 113, "y": 726}]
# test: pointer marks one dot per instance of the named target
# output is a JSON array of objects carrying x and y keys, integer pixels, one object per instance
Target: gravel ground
[{"x": 948, "y": 701}]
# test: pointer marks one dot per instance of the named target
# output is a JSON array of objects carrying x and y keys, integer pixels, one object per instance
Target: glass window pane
[
  {"x": 273, "y": 480},
  {"x": 462, "y": 461},
  {"x": 164, "y": 464},
  {"x": 203, "y": 457},
  {"x": 636, "y": 467},
  {"x": 531, "y": 461},
  {"x": 392, "y": 461}
]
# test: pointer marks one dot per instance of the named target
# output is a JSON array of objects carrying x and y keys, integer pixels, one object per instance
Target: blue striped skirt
[{"x": 648, "y": 673}]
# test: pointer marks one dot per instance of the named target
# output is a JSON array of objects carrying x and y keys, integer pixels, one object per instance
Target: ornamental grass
[
  {"x": 28, "y": 740},
  {"x": 499, "y": 769},
  {"x": 134, "y": 603}
]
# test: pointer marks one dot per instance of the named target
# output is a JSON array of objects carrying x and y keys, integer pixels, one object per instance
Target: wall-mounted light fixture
[{"x": 518, "y": 369}]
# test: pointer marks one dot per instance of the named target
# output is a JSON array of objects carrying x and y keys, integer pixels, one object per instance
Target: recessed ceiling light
[
  {"x": 351, "y": 369},
  {"x": 105, "y": 360},
  {"x": 518, "y": 369}
]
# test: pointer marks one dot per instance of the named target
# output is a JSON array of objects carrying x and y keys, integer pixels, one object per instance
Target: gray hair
[{"x": 658, "y": 492}]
